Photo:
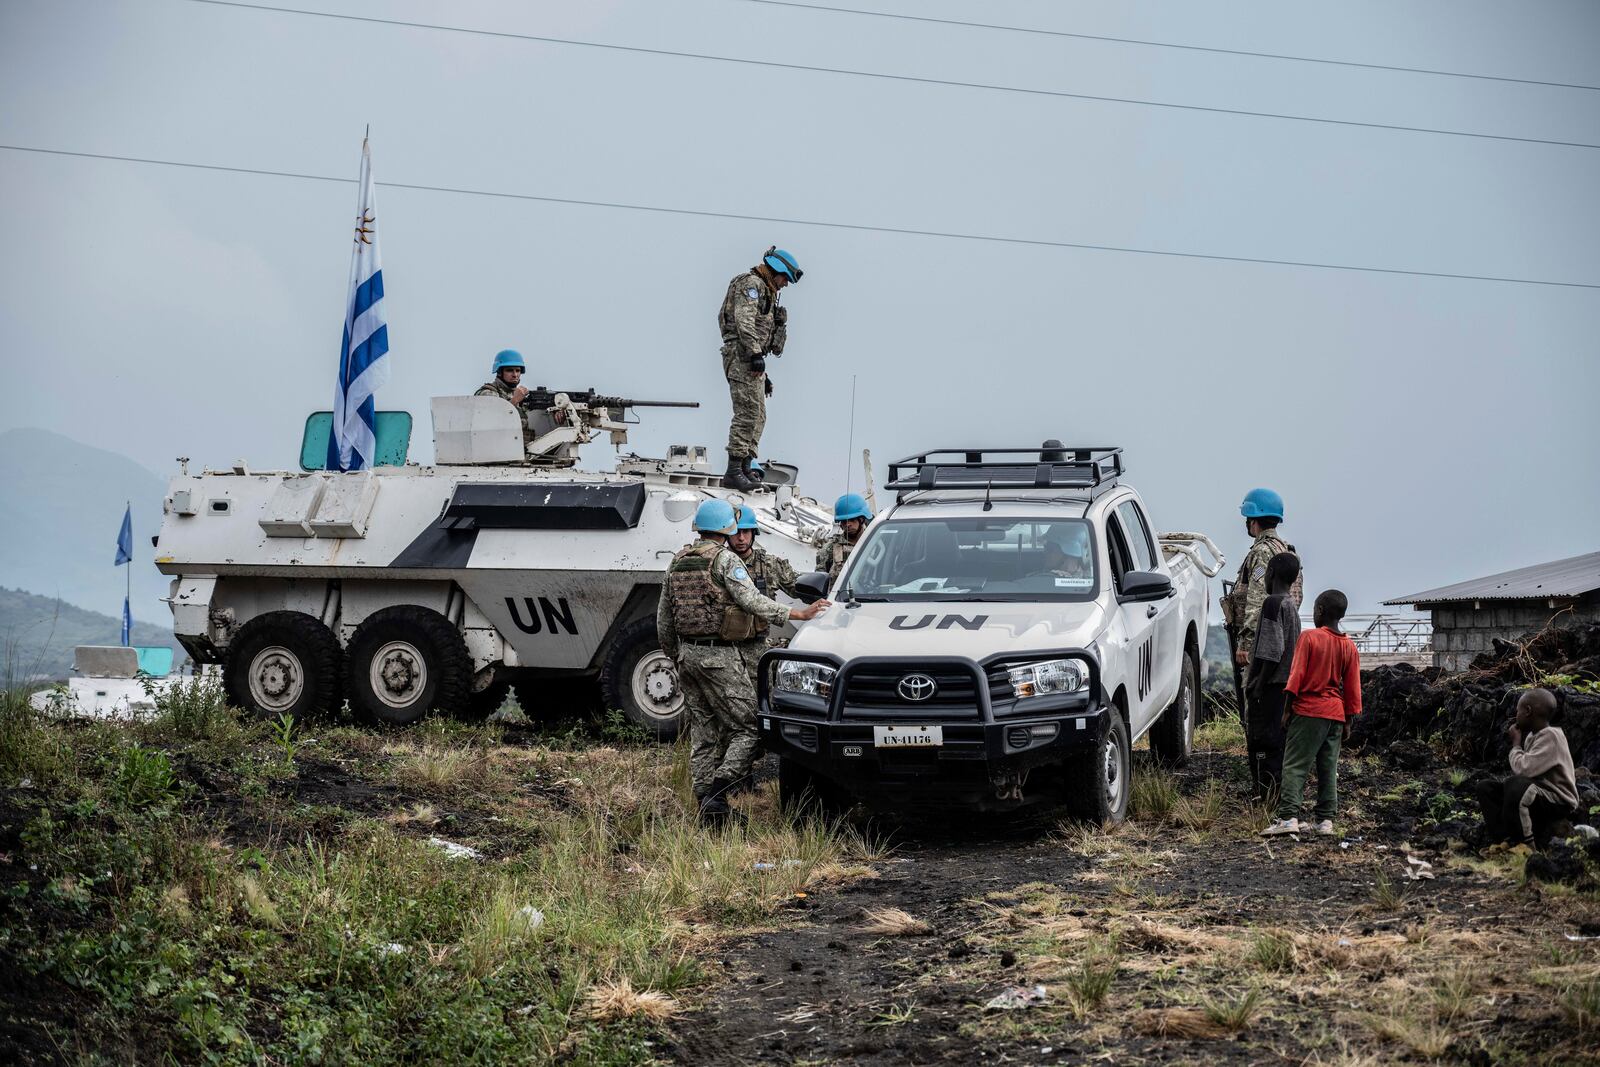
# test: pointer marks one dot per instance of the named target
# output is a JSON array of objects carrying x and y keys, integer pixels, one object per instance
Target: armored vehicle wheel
[
  {"x": 485, "y": 702},
  {"x": 1098, "y": 781},
  {"x": 803, "y": 794},
  {"x": 1172, "y": 737},
  {"x": 641, "y": 681},
  {"x": 283, "y": 663},
  {"x": 404, "y": 662}
]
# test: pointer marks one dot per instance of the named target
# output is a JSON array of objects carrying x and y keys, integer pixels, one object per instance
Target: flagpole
[{"x": 127, "y": 593}]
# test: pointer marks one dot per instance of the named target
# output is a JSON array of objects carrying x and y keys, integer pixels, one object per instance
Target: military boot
[
  {"x": 713, "y": 803},
  {"x": 756, "y": 485},
  {"x": 736, "y": 478}
]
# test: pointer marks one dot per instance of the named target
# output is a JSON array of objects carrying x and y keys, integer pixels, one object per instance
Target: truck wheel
[
  {"x": 1097, "y": 782},
  {"x": 1172, "y": 737},
  {"x": 641, "y": 681},
  {"x": 804, "y": 794},
  {"x": 404, "y": 662},
  {"x": 487, "y": 701},
  {"x": 283, "y": 663}
]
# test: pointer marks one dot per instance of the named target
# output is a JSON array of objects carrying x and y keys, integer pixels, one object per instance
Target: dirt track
[{"x": 1465, "y": 968}]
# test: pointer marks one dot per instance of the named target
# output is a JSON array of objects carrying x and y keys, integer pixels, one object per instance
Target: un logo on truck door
[{"x": 1146, "y": 667}]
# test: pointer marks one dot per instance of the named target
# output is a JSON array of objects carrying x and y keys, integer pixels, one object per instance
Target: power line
[
  {"x": 986, "y": 86},
  {"x": 1170, "y": 44},
  {"x": 823, "y": 224}
]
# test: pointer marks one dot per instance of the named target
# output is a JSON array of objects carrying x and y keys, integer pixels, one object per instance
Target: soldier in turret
[
  {"x": 753, "y": 326},
  {"x": 852, "y": 514},
  {"x": 708, "y": 612},
  {"x": 506, "y": 383}
]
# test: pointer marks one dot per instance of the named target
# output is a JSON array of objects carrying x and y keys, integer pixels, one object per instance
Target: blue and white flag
[
  {"x": 125, "y": 538},
  {"x": 363, "y": 355}
]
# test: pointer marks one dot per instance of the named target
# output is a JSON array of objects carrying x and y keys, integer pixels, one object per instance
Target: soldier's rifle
[
  {"x": 1233, "y": 649},
  {"x": 540, "y": 398}
]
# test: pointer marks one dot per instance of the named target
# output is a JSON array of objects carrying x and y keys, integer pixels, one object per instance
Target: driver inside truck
[{"x": 1066, "y": 553}]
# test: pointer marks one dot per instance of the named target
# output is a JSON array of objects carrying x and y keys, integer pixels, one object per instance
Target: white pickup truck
[{"x": 1001, "y": 636}]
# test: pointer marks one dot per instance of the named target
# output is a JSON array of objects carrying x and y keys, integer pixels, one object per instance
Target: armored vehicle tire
[
  {"x": 1172, "y": 736},
  {"x": 1098, "y": 781},
  {"x": 404, "y": 662},
  {"x": 641, "y": 681},
  {"x": 283, "y": 663},
  {"x": 803, "y": 794}
]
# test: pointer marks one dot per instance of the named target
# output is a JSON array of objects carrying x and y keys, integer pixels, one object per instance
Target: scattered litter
[
  {"x": 1344, "y": 844},
  {"x": 1046, "y": 1051},
  {"x": 1017, "y": 997},
  {"x": 393, "y": 948},
  {"x": 633, "y": 868},
  {"x": 1418, "y": 869},
  {"x": 526, "y": 1009},
  {"x": 1585, "y": 831},
  {"x": 532, "y": 918},
  {"x": 26, "y": 783},
  {"x": 455, "y": 851},
  {"x": 1582, "y": 937},
  {"x": 1344, "y": 942},
  {"x": 794, "y": 863},
  {"x": 764, "y": 866}
]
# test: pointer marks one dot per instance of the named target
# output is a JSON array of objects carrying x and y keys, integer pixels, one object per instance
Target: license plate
[{"x": 907, "y": 736}]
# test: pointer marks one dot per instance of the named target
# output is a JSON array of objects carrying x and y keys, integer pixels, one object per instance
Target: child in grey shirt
[{"x": 1270, "y": 659}]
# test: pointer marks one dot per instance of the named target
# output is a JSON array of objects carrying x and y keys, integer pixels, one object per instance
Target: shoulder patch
[
  {"x": 1259, "y": 572},
  {"x": 740, "y": 574}
]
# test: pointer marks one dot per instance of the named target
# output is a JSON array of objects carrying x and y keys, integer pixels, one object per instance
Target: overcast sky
[{"x": 1422, "y": 430}]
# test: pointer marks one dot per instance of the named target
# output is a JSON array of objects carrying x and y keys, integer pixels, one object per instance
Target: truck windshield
[{"x": 974, "y": 559}]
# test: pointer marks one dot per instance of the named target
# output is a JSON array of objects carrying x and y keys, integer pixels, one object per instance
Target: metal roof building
[{"x": 1468, "y": 616}]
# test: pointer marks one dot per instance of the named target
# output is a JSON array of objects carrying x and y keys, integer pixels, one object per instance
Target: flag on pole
[
  {"x": 363, "y": 354},
  {"x": 124, "y": 557}
]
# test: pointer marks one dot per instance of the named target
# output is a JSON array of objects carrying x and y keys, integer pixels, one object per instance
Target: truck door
[
  {"x": 1137, "y": 643},
  {"x": 1168, "y": 646}
]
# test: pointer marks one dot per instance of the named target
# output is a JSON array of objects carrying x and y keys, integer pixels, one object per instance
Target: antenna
[{"x": 850, "y": 447}]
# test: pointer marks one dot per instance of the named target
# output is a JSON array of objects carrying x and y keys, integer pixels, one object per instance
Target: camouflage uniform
[
  {"x": 771, "y": 575},
  {"x": 1241, "y": 609},
  {"x": 500, "y": 389},
  {"x": 832, "y": 553},
  {"x": 753, "y": 326},
  {"x": 708, "y": 609}
]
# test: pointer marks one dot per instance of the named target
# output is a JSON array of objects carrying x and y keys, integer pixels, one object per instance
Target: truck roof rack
[{"x": 1053, "y": 466}]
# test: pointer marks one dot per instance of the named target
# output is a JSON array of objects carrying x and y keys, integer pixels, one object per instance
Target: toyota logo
[{"x": 917, "y": 687}]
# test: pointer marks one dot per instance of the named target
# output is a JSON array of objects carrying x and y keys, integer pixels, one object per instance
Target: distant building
[{"x": 1468, "y": 616}]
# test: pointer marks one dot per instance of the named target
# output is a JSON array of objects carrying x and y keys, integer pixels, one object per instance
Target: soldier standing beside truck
[
  {"x": 770, "y": 574},
  {"x": 753, "y": 326},
  {"x": 852, "y": 515},
  {"x": 708, "y": 612},
  {"x": 1241, "y": 608}
]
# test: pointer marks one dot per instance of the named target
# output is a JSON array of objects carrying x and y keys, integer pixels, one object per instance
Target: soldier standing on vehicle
[
  {"x": 770, "y": 574},
  {"x": 852, "y": 514},
  {"x": 505, "y": 382},
  {"x": 708, "y": 612},
  {"x": 753, "y": 326}
]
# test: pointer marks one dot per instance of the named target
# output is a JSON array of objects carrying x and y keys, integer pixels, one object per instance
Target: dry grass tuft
[
  {"x": 1427, "y": 1039},
  {"x": 1184, "y": 1024},
  {"x": 1155, "y": 936},
  {"x": 892, "y": 922},
  {"x": 613, "y": 1001}
]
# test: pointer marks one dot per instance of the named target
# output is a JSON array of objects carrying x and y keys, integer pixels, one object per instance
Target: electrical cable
[
  {"x": 913, "y": 79},
  {"x": 1170, "y": 44},
  {"x": 823, "y": 224}
]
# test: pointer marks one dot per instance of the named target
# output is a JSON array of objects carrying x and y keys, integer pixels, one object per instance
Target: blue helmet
[
  {"x": 507, "y": 357},
  {"x": 851, "y": 506},
  {"x": 757, "y": 470},
  {"x": 715, "y": 516},
  {"x": 1262, "y": 504},
  {"x": 783, "y": 263},
  {"x": 747, "y": 519}
]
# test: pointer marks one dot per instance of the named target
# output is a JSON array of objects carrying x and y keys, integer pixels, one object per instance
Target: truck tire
[
  {"x": 283, "y": 663},
  {"x": 803, "y": 794},
  {"x": 404, "y": 662},
  {"x": 641, "y": 681},
  {"x": 1098, "y": 781},
  {"x": 1172, "y": 737}
]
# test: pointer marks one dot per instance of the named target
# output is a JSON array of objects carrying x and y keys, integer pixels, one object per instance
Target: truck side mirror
[
  {"x": 812, "y": 587},
  {"x": 1146, "y": 585}
]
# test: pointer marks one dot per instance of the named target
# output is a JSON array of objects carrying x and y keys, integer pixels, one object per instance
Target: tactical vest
[
  {"x": 701, "y": 607},
  {"x": 764, "y": 307},
  {"x": 1233, "y": 604}
]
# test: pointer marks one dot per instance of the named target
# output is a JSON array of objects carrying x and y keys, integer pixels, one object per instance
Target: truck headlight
[
  {"x": 1047, "y": 677},
  {"x": 802, "y": 676}
]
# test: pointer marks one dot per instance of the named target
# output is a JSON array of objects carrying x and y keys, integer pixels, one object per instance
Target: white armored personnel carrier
[{"x": 405, "y": 589}]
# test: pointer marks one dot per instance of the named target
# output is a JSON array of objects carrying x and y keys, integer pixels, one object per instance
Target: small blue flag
[
  {"x": 125, "y": 538},
  {"x": 127, "y": 623}
]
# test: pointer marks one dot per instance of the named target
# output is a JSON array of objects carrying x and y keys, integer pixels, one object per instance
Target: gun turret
[{"x": 562, "y": 420}]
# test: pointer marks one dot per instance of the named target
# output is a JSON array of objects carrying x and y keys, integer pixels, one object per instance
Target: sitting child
[{"x": 1542, "y": 789}]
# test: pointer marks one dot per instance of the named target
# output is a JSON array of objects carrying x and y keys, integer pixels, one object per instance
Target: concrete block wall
[{"x": 1461, "y": 631}]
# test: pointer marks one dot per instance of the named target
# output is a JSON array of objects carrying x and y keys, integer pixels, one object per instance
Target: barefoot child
[{"x": 1323, "y": 694}]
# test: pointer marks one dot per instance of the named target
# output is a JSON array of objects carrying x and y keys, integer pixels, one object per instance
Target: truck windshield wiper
[{"x": 867, "y": 598}]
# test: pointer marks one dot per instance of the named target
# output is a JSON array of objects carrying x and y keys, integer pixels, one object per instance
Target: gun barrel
[{"x": 660, "y": 404}]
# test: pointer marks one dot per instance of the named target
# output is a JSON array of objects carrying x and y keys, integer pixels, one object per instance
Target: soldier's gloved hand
[
  {"x": 758, "y": 365},
  {"x": 769, "y": 385},
  {"x": 781, "y": 313}
]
